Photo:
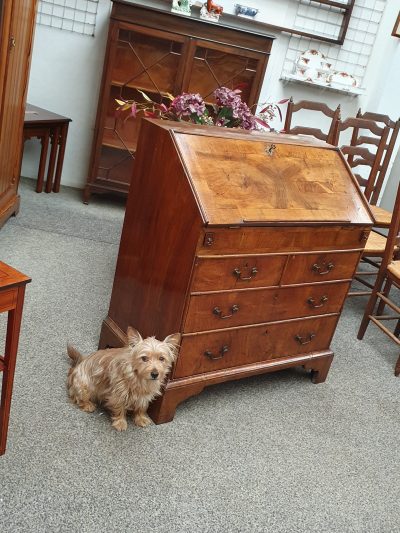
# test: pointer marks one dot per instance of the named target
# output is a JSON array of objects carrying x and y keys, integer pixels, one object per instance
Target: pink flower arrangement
[{"x": 229, "y": 111}]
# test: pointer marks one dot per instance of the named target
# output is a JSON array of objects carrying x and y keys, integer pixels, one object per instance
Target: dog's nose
[{"x": 154, "y": 375}]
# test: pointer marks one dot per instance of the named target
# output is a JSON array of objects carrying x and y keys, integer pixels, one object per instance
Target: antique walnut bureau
[{"x": 245, "y": 243}]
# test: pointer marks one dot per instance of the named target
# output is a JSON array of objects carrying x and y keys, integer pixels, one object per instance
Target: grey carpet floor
[{"x": 272, "y": 453}]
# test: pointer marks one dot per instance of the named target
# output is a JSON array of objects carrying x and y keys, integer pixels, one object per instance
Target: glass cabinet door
[
  {"x": 141, "y": 62},
  {"x": 216, "y": 65}
]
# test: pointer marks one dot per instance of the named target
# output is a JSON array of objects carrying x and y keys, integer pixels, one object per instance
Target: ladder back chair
[
  {"x": 372, "y": 256},
  {"x": 308, "y": 105},
  {"x": 382, "y": 216},
  {"x": 389, "y": 271},
  {"x": 358, "y": 152}
]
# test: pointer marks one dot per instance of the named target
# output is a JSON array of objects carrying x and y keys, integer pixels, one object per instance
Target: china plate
[
  {"x": 312, "y": 59},
  {"x": 342, "y": 78}
]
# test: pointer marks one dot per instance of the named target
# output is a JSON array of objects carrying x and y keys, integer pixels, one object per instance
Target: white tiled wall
[{"x": 72, "y": 15}]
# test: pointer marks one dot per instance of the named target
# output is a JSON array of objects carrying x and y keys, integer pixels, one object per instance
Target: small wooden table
[
  {"x": 12, "y": 291},
  {"x": 49, "y": 128}
]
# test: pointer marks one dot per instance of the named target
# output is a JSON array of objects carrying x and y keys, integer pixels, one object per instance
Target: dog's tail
[{"x": 75, "y": 356}]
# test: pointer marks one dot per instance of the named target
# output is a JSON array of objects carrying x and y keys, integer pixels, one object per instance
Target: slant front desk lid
[{"x": 255, "y": 179}]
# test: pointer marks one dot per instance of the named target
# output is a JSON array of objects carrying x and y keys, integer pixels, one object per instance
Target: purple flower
[
  {"x": 248, "y": 121},
  {"x": 188, "y": 104},
  {"x": 240, "y": 112},
  {"x": 227, "y": 98}
]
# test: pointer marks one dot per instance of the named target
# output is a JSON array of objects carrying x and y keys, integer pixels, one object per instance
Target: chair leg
[
  {"x": 386, "y": 290},
  {"x": 396, "y": 332},
  {"x": 397, "y": 368},
  {"x": 370, "y": 306}
]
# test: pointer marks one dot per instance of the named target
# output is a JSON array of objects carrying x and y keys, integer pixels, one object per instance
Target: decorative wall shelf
[
  {"x": 351, "y": 91},
  {"x": 351, "y": 57}
]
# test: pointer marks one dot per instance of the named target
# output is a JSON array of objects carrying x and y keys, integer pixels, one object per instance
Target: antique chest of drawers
[{"x": 246, "y": 243}]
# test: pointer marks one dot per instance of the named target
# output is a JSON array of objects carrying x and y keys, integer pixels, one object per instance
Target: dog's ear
[
  {"x": 134, "y": 336},
  {"x": 174, "y": 340}
]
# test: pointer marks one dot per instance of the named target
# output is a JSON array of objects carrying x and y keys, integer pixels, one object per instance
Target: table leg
[
  {"x": 60, "y": 160},
  {"x": 42, "y": 163},
  {"x": 10, "y": 357},
  {"x": 53, "y": 154}
]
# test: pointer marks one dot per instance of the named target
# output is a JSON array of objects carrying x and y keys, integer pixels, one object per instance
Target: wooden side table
[
  {"x": 12, "y": 291},
  {"x": 51, "y": 129}
]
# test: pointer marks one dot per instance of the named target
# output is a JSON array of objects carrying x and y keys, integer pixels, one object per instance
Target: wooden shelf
[
  {"x": 110, "y": 141},
  {"x": 133, "y": 87},
  {"x": 351, "y": 91}
]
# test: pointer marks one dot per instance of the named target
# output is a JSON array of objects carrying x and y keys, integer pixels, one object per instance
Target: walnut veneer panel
[{"x": 256, "y": 181}]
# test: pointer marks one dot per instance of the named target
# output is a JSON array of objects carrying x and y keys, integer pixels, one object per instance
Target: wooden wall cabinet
[
  {"x": 243, "y": 242},
  {"x": 158, "y": 52},
  {"x": 16, "y": 39}
]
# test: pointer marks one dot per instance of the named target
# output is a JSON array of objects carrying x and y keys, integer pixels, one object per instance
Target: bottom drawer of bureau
[{"x": 206, "y": 352}]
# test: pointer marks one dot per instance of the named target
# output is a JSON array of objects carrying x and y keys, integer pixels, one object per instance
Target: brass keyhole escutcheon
[{"x": 270, "y": 150}]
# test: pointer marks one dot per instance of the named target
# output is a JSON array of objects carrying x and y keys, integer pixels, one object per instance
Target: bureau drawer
[
  {"x": 259, "y": 240},
  {"x": 239, "y": 308},
  {"x": 311, "y": 268},
  {"x": 207, "y": 352},
  {"x": 237, "y": 272},
  {"x": 8, "y": 300}
]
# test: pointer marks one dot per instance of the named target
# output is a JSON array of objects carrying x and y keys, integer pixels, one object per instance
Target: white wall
[
  {"x": 65, "y": 78},
  {"x": 66, "y": 71},
  {"x": 386, "y": 99}
]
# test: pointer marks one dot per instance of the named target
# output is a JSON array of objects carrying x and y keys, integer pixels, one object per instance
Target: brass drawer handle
[
  {"x": 318, "y": 269},
  {"x": 305, "y": 340},
  {"x": 238, "y": 273},
  {"x": 222, "y": 352},
  {"x": 217, "y": 311},
  {"x": 322, "y": 301}
]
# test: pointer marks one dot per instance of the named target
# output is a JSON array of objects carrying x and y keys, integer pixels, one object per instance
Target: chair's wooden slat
[
  {"x": 384, "y": 329},
  {"x": 315, "y": 132}
]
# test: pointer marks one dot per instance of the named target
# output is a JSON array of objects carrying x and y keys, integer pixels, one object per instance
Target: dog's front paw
[
  {"x": 142, "y": 421},
  {"x": 120, "y": 424},
  {"x": 88, "y": 407}
]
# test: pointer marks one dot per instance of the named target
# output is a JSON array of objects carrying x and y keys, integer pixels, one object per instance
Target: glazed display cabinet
[{"x": 158, "y": 52}]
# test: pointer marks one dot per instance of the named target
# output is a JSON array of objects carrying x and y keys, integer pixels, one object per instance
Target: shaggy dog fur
[{"x": 122, "y": 379}]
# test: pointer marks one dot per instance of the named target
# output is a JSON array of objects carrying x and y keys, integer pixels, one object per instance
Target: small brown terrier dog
[{"x": 122, "y": 379}]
